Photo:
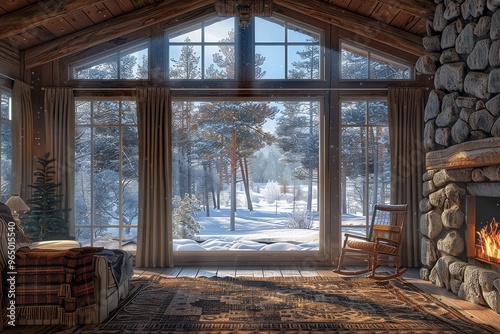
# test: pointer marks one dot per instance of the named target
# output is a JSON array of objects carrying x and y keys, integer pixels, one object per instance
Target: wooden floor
[
  {"x": 473, "y": 311},
  {"x": 476, "y": 312}
]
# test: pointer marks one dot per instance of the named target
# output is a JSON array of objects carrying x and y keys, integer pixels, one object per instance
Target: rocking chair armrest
[
  {"x": 390, "y": 242},
  {"x": 355, "y": 236}
]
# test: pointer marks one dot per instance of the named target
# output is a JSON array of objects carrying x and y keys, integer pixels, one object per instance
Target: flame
[{"x": 488, "y": 246}]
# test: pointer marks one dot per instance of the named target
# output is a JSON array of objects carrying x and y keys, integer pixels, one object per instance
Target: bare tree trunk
[
  {"x": 233, "y": 180},
  {"x": 212, "y": 189},
  {"x": 246, "y": 183},
  {"x": 205, "y": 188}
]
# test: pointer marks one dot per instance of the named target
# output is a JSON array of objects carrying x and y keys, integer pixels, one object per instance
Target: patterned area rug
[{"x": 291, "y": 305}]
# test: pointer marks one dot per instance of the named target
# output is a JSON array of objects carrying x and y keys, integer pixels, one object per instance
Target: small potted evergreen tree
[{"x": 46, "y": 219}]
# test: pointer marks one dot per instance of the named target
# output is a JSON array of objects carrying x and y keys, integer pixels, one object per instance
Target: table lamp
[{"x": 16, "y": 205}]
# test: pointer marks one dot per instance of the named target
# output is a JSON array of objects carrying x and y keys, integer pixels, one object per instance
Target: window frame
[
  {"x": 366, "y": 159},
  {"x": 380, "y": 54},
  {"x": 120, "y": 125},
  {"x": 116, "y": 54},
  {"x": 315, "y": 257}
]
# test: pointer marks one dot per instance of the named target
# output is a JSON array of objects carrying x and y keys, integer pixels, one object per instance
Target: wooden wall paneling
[
  {"x": 384, "y": 13},
  {"x": 59, "y": 27},
  {"x": 79, "y": 20},
  {"x": 11, "y": 61},
  {"x": 41, "y": 34},
  {"x": 98, "y": 13},
  {"x": 125, "y": 5},
  {"x": 409, "y": 22},
  {"x": 363, "y": 7},
  {"x": 21, "y": 41},
  {"x": 421, "y": 8},
  {"x": 38, "y": 14},
  {"x": 10, "y": 6},
  {"x": 115, "y": 9}
]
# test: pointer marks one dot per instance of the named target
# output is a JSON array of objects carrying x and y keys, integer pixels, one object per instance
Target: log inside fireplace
[{"x": 482, "y": 212}]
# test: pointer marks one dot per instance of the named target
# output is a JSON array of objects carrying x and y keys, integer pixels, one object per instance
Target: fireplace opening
[{"x": 483, "y": 229}]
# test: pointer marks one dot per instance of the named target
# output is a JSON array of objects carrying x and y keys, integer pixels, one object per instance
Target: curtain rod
[
  {"x": 235, "y": 89},
  {"x": 7, "y": 77},
  {"x": 79, "y": 88}
]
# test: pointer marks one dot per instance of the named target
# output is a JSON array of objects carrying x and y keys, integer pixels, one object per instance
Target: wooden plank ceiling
[{"x": 50, "y": 29}]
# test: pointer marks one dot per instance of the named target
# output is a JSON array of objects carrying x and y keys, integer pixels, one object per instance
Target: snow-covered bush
[
  {"x": 298, "y": 219},
  {"x": 272, "y": 191},
  {"x": 184, "y": 223}
]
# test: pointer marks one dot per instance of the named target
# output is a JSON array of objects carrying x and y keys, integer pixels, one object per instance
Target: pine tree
[{"x": 46, "y": 220}]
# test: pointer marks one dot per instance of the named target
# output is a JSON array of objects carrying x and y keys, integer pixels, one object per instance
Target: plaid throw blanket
[{"x": 55, "y": 284}]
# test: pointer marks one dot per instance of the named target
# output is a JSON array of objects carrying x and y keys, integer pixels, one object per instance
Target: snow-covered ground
[{"x": 264, "y": 228}]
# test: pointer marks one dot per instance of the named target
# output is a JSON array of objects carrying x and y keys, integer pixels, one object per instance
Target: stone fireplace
[{"x": 462, "y": 140}]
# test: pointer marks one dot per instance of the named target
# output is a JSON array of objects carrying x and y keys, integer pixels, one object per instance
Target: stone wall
[{"x": 463, "y": 42}]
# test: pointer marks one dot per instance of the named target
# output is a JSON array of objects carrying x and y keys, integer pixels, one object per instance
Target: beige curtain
[
  {"x": 154, "y": 242},
  {"x": 406, "y": 109},
  {"x": 22, "y": 139},
  {"x": 59, "y": 106}
]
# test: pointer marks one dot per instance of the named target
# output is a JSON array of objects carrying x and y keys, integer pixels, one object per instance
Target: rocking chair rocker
[{"x": 381, "y": 246}]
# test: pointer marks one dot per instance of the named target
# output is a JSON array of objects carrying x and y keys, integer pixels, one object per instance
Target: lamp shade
[{"x": 16, "y": 204}]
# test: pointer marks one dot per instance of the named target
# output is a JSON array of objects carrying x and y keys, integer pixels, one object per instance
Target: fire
[{"x": 488, "y": 246}]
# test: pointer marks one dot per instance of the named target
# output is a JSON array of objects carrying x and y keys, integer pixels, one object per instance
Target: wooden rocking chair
[{"x": 381, "y": 246}]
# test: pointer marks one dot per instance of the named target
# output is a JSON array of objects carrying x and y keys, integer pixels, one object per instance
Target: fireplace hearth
[{"x": 483, "y": 230}]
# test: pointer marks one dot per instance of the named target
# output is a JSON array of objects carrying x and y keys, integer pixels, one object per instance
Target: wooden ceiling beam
[
  {"x": 421, "y": 8},
  {"x": 108, "y": 30},
  {"x": 29, "y": 17},
  {"x": 358, "y": 24}
]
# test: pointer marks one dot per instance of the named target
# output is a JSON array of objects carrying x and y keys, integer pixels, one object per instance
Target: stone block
[
  {"x": 466, "y": 39},
  {"x": 478, "y": 59},
  {"x": 495, "y": 26},
  {"x": 430, "y": 223},
  {"x": 477, "y": 7},
  {"x": 483, "y": 26},
  {"x": 429, "y": 136},
  {"x": 424, "y": 205},
  {"x": 452, "y": 244},
  {"x": 445, "y": 176},
  {"x": 460, "y": 131},
  {"x": 476, "y": 84},
  {"x": 481, "y": 120},
  {"x": 428, "y": 255},
  {"x": 437, "y": 198},
  {"x": 439, "y": 22},
  {"x": 471, "y": 290},
  {"x": 443, "y": 136},
  {"x": 432, "y": 43},
  {"x": 494, "y": 81},
  {"x": 453, "y": 218},
  {"x": 493, "y": 105},
  {"x": 427, "y": 64},
  {"x": 433, "y": 106},
  {"x": 455, "y": 193}
]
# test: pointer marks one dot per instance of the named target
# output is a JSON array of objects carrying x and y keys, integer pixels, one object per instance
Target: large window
[
  {"x": 365, "y": 161},
  {"x": 125, "y": 63},
  {"x": 245, "y": 175},
  {"x": 6, "y": 143},
  {"x": 106, "y": 174}
]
